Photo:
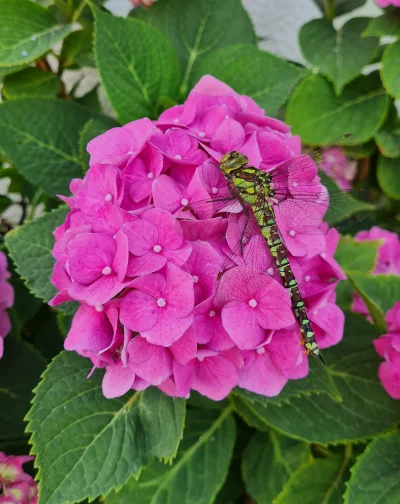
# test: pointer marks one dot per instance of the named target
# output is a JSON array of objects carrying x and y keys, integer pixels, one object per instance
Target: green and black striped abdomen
[{"x": 270, "y": 232}]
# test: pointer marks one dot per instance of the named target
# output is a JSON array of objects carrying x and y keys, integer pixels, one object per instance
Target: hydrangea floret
[
  {"x": 145, "y": 271},
  {"x": 16, "y": 486}
]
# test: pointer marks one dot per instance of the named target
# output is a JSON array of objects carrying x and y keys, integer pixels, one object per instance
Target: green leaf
[
  {"x": 361, "y": 151},
  {"x": 31, "y": 83},
  {"x": 5, "y": 202},
  {"x": 388, "y": 176},
  {"x": 341, "y": 6},
  {"x": 44, "y": 147},
  {"x": 380, "y": 293},
  {"x": 20, "y": 370},
  {"x": 75, "y": 46},
  {"x": 198, "y": 471},
  {"x": 85, "y": 445},
  {"x": 386, "y": 25},
  {"x": 355, "y": 255},
  {"x": 321, "y": 481},
  {"x": 199, "y": 29},
  {"x": 388, "y": 138},
  {"x": 27, "y": 31},
  {"x": 92, "y": 129},
  {"x": 268, "y": 462},
  {"x": 137, "y": 66},
  {"x": 375, "y": 475},
  {"x": 318, "y": 115},
  {"x": 340, "y": 55},
  {"x": 390, "y": 70},
  {"x": 30, "y": 247},
  {"x": 348, "y": 404},
  {"x": 10, "y": 70},
  {"x": 270, "y": 86},
  {"x": 90, "y": 100}
]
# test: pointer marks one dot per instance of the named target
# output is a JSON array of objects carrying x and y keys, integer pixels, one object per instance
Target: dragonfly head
[{"x": 232, "y": 161}]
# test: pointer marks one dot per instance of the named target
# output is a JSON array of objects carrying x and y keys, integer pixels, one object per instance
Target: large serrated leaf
[
  {"x": 27, "y": 31},
  {"x": 30, "y": 247},
  {"x": 321, "y": 481},
  {"x": 355, "y": 255},
  {"x": 390, "y": 70},
  {"x": 268, "y": 462},
  {"x": 386, "y": 25},
  {"x": 318, "y": 115},
  {"x": 198, "y": 471},
  {"x": 86, "y": 445},
  {"x": 375, "y": 475},
  {"x": 199, "y": 29},
  {"x": 41, "y": 137},
  {"x": 319, "y": 415},
  {"x": 270, "y": 86},
  {"x": 31, "y": 83},
  {"x": 137, "y": 65},
  {"x": 340, "y": 55},
  {"x": 20, "y": 370}
]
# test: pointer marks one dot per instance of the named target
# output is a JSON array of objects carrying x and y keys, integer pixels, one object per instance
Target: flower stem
[{"x": 329, "y": 8}]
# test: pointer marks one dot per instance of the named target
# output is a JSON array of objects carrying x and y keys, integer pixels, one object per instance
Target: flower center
[
  {"x": 292, "y": 232},
  {"x": 150, "y": 175},
  {"x": 295, "y": 184},
  {"x": 157, "y": 248},
  {"x": 260, "y": 350},
  {"x": 211, "y": 313},
  {"x": 99, "y": 307},
  {"x": 323, "y": 255},
  {"x": 178, "y": 156},
  {"x": 130, "y": 152},
  {"x": 270, "y": 271},
  {"x": 214, "y": 190},
  {"x": 202, "y": 134},
  {"x": 107, "y": 270},
  {"x": 161, "y": 302},
  {"x": 307, "y": 278},
  {"x": 184, "y": 202},
  {"x": 175, "y": 121},
  {"x": 253, "y": 303},
  {"x": 108, "y": 197},
  {"x": 195, "y": 278}
]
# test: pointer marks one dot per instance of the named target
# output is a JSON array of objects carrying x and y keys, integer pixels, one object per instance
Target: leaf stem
[
  {"x": 329, "y": 8},
  {"x": 34, "y": 204},
  {"x": 77, "y": 13}
]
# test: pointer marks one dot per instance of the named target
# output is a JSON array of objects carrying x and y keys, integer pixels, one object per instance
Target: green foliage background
[{"x": 330, "y": 438}]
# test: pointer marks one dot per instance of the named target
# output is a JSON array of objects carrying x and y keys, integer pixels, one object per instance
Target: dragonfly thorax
[{"x": 232, "y": 161}]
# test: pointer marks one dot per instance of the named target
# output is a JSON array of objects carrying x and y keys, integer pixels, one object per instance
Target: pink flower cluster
[
  {"x": 6, "y": 301},
  {"x": 145, "y": 3},
  {"x": 388, "y": 347},
  {"x": 386, "y": 3},
  {"x": 339, "y": 167},
  {"x": 16, "y": 487},
  {"x": 387, "y": 260},
  {"x": 145, "y": 270}
]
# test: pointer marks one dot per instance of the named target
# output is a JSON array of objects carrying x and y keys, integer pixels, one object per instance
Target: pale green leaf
[
  {"x": 199, "y": 470},
  {"x": 386, "y": 25},
  {"x": 137, "y": 66},
  {"x": 268, "y": 461},
  {"x": 27, "y": 31},
  {"x": 390, "y": 70},
  {"x": 355, "y": 255},
  {"x": 85, "y": 444},
  {"x": 41, "y": 137},
  {"x": 270, "y": 86},
  {"x": 350, "y": 405},
  {"x": 31, "y": 83},
  {"x": 379, "y": 292},
  {"x": 340, "y": 55},
  {"x": 375, "y": 475},
  {"x": 318, "y": 115},
  {"x": 341, "y": 6},
  {"x": 30, "y": 247},
  {"x": 199, "y": 29},
  {"x": 388, "y": 138},
  {"x": 389, "y": 175}
]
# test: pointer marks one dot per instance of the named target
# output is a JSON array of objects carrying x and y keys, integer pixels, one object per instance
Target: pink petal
[
  {"x": 259, "y": 375},
  {"x": 240, "y": 322},
  {"x": 184, "y": 350},
  {"x": 117, "y": 380},
  {"x": 139, "y": 311},
  {"x": 152, "y": 363},
  {"x": 215, "y": 377},
  {"x": 168, "y": 328}
]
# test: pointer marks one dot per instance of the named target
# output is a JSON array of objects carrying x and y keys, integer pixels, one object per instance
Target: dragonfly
[{"x": 290, "y": 194}]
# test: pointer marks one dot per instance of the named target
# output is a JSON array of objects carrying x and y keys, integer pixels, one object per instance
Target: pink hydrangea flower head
[
  {"x": 6, "y": 301},
  {"x": 17, "y": 486},
  {"x": 339, "y": 167},
  {"x": 388, "y": 347},
  {"x": 146, "y": 269},
  {"x": 386, "y": 3},
  {"x": 387, "y": 261},
  {"x": 145, "y": 3}
]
